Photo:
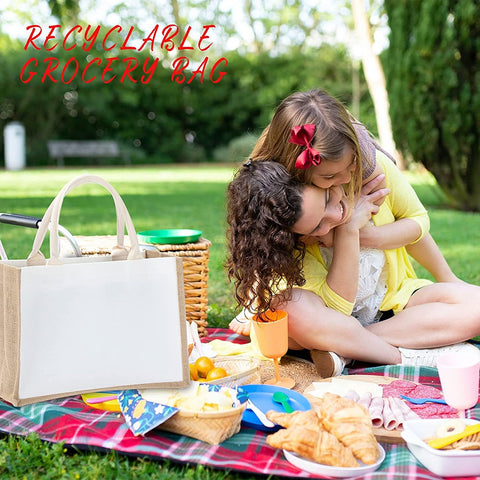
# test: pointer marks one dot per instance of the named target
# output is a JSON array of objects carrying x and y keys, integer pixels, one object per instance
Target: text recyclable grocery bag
[{"x": 75, "y": 325}]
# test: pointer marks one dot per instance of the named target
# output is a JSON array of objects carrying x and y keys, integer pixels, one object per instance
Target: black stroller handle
[
  {"x": 34, "y": 222},
  {"x": 20, "y": 220}
]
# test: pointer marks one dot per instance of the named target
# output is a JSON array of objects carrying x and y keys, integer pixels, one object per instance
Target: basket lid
[{"x": 170, "y": 236}]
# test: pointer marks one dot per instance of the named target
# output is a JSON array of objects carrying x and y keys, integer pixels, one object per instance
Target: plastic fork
[
  {"x": 260, "y": 415},
  {"x": 421, "y": 401}
]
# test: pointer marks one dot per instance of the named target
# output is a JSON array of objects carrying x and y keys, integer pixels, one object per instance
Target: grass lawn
[{"x": 168, "y": 197}]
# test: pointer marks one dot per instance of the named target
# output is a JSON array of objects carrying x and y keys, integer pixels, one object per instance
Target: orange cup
[{"x": 272, "y": 335}]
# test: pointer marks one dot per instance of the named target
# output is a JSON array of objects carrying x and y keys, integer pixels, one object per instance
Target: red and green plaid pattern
[{"x": 70, "y": 421}]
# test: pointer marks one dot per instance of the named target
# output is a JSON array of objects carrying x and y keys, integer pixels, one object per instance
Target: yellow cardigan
[{"x": 402, "y": 202}]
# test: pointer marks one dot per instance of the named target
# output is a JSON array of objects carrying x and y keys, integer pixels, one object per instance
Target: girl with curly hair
[{"x": 271, "y": 213}]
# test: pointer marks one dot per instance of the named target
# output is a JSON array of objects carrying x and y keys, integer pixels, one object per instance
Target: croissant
[
  {"x": 351, "y": 424},
  {"x": 308, "y": 418},
  {"x": 317, "y": 445}
]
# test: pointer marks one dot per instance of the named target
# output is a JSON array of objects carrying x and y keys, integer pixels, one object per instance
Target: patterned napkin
[{"x": 141, "y": 415}]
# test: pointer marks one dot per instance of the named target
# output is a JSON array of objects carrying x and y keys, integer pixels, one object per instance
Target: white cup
[{"x": 459, "y": 376}]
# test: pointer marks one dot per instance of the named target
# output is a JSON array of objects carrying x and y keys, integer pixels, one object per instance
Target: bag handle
[{"x": 52, "y": 217}]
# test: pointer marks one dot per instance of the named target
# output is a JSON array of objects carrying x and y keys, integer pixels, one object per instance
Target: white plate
[{"x": 339, "y": 472}]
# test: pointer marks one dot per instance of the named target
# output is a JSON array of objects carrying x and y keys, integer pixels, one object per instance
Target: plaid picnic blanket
[{"x": 70, "y": 421}]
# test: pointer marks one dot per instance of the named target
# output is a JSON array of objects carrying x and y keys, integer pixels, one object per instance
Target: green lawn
[{"x": 167, "y": 197}]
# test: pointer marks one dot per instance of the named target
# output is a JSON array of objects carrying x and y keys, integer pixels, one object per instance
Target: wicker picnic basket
[
  {"x": 242, "y": 370},
  {"x": 210, "y": 427},
  {"x": 195, "y": 258}
]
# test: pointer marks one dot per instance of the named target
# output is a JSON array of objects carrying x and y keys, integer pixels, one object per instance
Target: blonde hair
[{"x": 334, "y": 131}]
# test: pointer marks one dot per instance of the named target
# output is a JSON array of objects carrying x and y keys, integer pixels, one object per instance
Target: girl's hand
[
  {"x": 368, "y": 203},
  {"x": 382, "y": 184}
]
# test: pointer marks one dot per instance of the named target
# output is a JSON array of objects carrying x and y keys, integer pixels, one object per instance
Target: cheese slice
[{"x": 341, "y": 386}]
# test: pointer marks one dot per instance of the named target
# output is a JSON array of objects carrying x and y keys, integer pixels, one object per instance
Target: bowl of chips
[{"x": 210, "y": 413}]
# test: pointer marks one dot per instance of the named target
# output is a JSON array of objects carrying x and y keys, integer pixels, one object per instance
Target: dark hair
[{"x": 265, "y": 257}]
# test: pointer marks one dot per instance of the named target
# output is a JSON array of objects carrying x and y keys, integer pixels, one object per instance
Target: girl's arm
[
  {"x": 342, "y": 276},
  {"x": 400, "y": 233},
  {"x": 405, "y": 232},
  {"x": 429, "y": 256}
]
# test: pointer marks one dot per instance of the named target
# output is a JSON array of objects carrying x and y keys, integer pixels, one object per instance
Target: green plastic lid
[{"x": 172, "y": 235}]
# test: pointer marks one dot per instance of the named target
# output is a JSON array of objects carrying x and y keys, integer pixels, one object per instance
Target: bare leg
[
  {"x": 436, "y": 315},
  {"x": 312, "y": 325}
]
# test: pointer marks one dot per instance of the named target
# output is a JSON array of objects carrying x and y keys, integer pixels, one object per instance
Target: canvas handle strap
[{"x": 52, "y": 217}]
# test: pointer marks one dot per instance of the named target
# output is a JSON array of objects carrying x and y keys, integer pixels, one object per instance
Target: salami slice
[
  {"x": 414, "y": 390},
  {"x": 398, "y": 387},
  {"x": 426, "y": 391},
  {"x": 433, "y": 410}
]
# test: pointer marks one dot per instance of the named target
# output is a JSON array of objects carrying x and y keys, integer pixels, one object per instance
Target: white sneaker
[
  {"x": 428, "y": 357},
  {"x": 328, "y": 364}
]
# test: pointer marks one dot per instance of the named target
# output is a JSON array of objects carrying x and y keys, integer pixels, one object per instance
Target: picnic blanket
[{"x": 72, "y": 422}]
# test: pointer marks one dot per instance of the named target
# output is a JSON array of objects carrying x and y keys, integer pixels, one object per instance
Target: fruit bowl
[{"x": 240, "y": 370}]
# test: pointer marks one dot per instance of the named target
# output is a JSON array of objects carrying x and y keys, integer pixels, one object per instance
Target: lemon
[
  {"x": 203, "y": 365},
  {"x": 216, "y": 373},
  {"x": 193, "y": 371}
]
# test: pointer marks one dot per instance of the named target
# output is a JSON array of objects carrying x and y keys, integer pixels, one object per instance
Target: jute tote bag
[{"x": 86, "y": 324}]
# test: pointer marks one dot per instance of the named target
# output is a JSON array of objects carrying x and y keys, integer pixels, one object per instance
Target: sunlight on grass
[
  {"x": 40, "y": 181},
  {"x": 426, "y": 187}
]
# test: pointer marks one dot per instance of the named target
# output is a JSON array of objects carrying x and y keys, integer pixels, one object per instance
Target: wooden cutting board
[{"x": 381, "y": 434}]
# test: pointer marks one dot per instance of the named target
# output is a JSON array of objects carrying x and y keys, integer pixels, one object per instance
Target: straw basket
[
  {"x": 241, "y": 371},
  {"x": 211, "y": 427},
  {"x": 195, "y": 258}
]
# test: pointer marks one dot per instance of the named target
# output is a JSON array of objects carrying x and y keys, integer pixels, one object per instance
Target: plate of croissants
[
  {"x": 335, "y": 439},
  {"x": 331, "y": 471}
]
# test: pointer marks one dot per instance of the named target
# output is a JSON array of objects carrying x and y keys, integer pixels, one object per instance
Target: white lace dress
[{"x": 372, "y": 284}]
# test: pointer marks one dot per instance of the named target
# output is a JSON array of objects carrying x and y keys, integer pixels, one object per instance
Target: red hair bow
[{"x": 302, "y": 135}]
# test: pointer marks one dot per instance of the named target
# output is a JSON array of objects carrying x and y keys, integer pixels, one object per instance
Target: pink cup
[{"x": 459, "y": 376}]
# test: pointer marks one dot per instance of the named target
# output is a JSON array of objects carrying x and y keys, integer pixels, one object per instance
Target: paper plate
[
  {"x": 261, "y": 396},
  {"x": 170, "y": 236},
  {"x": 327, "y": 470}
]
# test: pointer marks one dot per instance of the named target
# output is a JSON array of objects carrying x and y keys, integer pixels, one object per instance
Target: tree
[
  {"x": 432, "y": 67},
  {"x": 375, "y": 77},
  {"x": 65, "y": 10}
]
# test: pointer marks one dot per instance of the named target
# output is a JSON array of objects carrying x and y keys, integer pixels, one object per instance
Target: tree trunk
[
  {"x": 375, "y": 80},
  {"x": 356, "y": 88}
]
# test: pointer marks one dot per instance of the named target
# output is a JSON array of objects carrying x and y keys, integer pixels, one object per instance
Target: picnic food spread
[
  {"x": 381, "y": 396},
  {"x": 249, "y": 451},
  {"x": 339, "y": 428}
]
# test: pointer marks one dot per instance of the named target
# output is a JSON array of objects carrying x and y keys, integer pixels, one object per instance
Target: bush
[
  {"x": 432, "y": 67},
  {"x": 237, "y": 150},
  {"x": 162, "y": 119},
  {"x": 191, "y": 153}
]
